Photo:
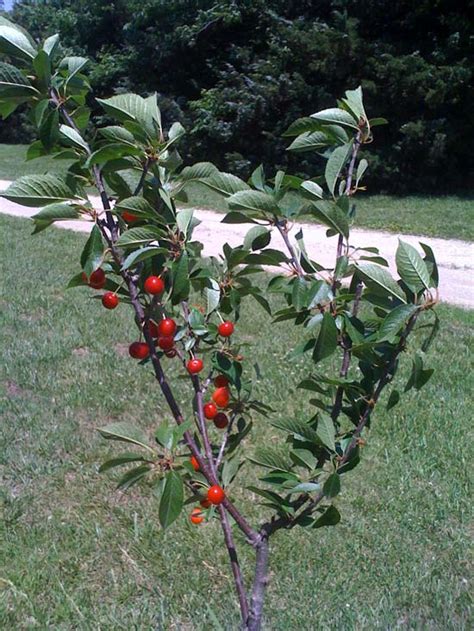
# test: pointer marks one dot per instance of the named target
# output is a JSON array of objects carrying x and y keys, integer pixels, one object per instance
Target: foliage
[
  {"x": 240, "y": 73},
  {"x": 354, "y": 312}
]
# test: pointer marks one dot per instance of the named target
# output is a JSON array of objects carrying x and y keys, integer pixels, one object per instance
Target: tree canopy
[{"x": 238, "y": 72}]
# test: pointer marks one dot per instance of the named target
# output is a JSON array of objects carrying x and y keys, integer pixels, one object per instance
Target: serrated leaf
[
  {"x": 313, "y": 189},
  {"x": 411, "y": 267},
  {"x": 335, "y": 116},
  {"x": 253, "y": 201},
  {"x": 198, "y": 171},
  {"x": 56, "y": 212},
  {"x": 181, "y": 284},
  {"x": 374, "y": 275},
  {"x": 73, "y": 65},
  {"x": 361, "y": 169},
  {"x": 309, "y": 141},
  {"x": 142, "y": 255},
  {"x": 14, "y": 84},
  {"x": 304, "y": 458},
  {"x": 305, "y": 487},
  {"x": 73, "y": 137},
  {"x": 331, "y": 215},
  {"x": 225, "y": 183},
  {"x": 93, "y": 252},
  {"x": 15, "y": 43},
  {"x": 431, "y": 265},
  {"x": 393, "y": 322},
  {"x": 139, "y": 236},
  {"x": 335, "y": 164},
  {"x": 126, "y": 107},
  {"x": 51, "y": 44},
  {"x": 257, "y": 238},
  {"x": 330, "y": 517},
  {"x": 125, "y": 432},
  {"x": 301, "y": 126},
  {"x": 326, "y": 342},
  {"x": 133, "y": 476},
  {"x": 272, "y": 458},
  {"x": 326, "y": 431},
  {"x": 117, "y": 134},
  {"x": 38, "y": 190},
  {"x": 212, "y": 296},
  {"x": 332, "y": 486},
  {"x": 120, "y": 460},
  {"x": 172, "y": 498},
  {"x": 298, "y": 428}
]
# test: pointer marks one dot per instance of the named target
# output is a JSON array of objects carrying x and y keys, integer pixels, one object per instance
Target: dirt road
[{"x": 455, "y": 258}]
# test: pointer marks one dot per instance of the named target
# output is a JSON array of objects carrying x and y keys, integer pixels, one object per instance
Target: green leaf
[
  {"x": 304, "y": 458},
  {"x": 136, "y": 205},
  {"x": 38, "y": 190},
  {"x": 393, "y": 322},
  {"x": 225, "y": 183},
  {"x": 198, "y": 171},
  {"x": 117, "y": 134},
  {"x": 73, "y": 65},
  {"x": 120, "y": 460},
  {"x": 354, "y": 101},
  {"x": 301, "y": 126},
  {"x": 326, "y": 342},
  {"x": 49, "y": 128},
  {"x": 93, "y": 252},
  {"x": 125, "y": 432},
  {"x": 14, "y": 84},
  {"x": 51, "y": 44},
  {"x": 335, "y": 164},
  {"x": 411, "y": 267},
  {"x": 331, "y": 215},
  {"x": 298, "y": 428},
  {"x": 379, "y": 278},
  {"x": 56, "y": 212},
  {"x": 272, "y": 458},
  {"x": 332, "y": 486},
  {"x": 419, "y": 376},
  {"x": 113, "y": 151},
  {"x": 139, "y": 236},
  {"x": 361, "y": 169},
  {"x": 257, "y": 238},
  {"x": 15, "y": 43},
  {"x": 236, "y": 217},
  {"x": 335, "y": 116},
  {"x": 313, "y": 189},
  {"x": 330, "y": 517},
  {"x": 254, "y": 201},
  {"x": 212, "y": 295},
  {"x": 172, "y": 498},
  {"x": 42, "y": 66},
  {"x": 129, "y": 107},
  {"x": 73, "y": 137},
  {"x": 133, "y": 476},
  {"x": 165, "y": 435},
  {"x": 431, "y": 265},
  {"x": 142, "y": 255},
  {"x": 181, "y": 284},
  {"x": 393, "y": 399},
  {"x": 326, "y": 431},
  {"x": 309, "y": 141},
  {"x": 305, "y": 487},
  {"x": 299, "y": 294}
]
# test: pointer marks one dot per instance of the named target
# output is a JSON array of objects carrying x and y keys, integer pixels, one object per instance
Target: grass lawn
[
  {"x": 449, "y": 217},
  {"x": 74, "y": 553}
]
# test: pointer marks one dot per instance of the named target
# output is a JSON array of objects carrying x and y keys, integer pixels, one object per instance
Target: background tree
[{"x": 240, "y": 72}]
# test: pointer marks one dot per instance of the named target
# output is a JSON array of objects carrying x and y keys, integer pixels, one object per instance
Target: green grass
[
  {"x": 449, "y": 217},
  {"x": 74, "y": 553}
]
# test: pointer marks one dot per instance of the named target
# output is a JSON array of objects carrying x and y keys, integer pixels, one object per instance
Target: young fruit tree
[{"x": 355, "y": 317}]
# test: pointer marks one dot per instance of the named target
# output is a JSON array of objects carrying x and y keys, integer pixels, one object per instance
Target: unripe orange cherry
[
  {"x": 205, "y": 503},
  {"x": 221, "y": 381},
  {"x": 194, "y": 366},
  {"x": 221, "y": 397},
  {"x": 210, "y": 410},
  {"x": 129, "y": 217},
  {"x": 195, "y": 463},
  {"x": 196, "y": 516},
  {"x": 226, "y": 328},
  {"x": 138, "y": 350},
  {"x": 167, "y": 327},
  {"x": 221, "y": 421},
  {"x": 97, "y": 279},
  {"x": 154, "y": 285},
  {"x": 216, "y": 494},
  {"x": 110, "y": 300}
]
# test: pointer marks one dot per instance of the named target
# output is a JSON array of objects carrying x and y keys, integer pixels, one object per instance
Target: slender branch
[
  {"x": 141, "y": 182},
  {"x": 224, "y": 440},
  {"x": 282, "y": 229},
  {"x": 235, "y": 565}
]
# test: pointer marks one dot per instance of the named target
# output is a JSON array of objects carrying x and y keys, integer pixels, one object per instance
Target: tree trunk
[{"x": 254, "y": 621}]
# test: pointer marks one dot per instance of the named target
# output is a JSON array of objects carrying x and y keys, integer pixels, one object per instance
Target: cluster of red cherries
[{"x": 164, "y": 333}]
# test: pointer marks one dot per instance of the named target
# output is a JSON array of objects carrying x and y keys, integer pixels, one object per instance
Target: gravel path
[{"x": 455, "y": 258}]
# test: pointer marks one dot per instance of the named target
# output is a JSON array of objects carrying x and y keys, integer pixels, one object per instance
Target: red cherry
[
  {"x": 166, "y": 343},
  {"x": 97, "y": 279},
  {"x": 221, "y": 381},
  {"x": 205, "y": 503},
  {"x": 171, "y": 353},
  {"x": 110, "y": 300},
  {"x": 153, "y": 328},
  {"x": 210, "y": 411},
  {"x": 167, "y": 327},
  {"x": 221, "y": 397},
  {"x": 154, "y": 285},
  {"x": 129, "y": 217},
  {"x": 220, "y": 420},
  {"x": 195, "y": 463},
  {"x": 194, "y": 366},
  {"x": 216, "y": 494},
  {"x": 138, "y": 350},
  {"x": 225, "y": 328},
  {"x": 196, "y": 516}
]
